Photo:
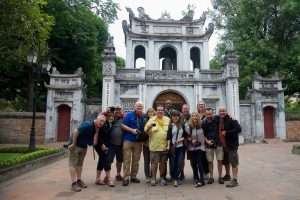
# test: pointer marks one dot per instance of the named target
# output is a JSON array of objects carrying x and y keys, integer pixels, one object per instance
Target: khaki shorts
[
  {"x": 211, "y": 151},
  {"x": 158, "y": 156},
  {"x": 76, "y": 157}
]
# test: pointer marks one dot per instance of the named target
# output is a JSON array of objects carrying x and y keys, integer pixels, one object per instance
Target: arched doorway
[
  {"x": 139, "y": 57},
  {"x": 168, "y": 58},
  {"x": 176, "y": 99},
  {"x": 63, "y": 123},
  {"x": 195, "y": 57},
  {"x": 269, "y": 122}
]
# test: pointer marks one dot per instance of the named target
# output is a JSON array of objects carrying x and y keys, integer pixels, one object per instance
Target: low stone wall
[
  {"x": 293, "y": 130},
  {"x": 15, "y": 127}
]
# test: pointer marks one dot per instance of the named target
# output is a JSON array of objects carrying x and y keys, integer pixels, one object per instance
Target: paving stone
[{"x": 266, "y": 172}]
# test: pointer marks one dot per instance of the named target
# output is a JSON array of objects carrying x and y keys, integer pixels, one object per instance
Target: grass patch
[{"x": 10, "y": 156}]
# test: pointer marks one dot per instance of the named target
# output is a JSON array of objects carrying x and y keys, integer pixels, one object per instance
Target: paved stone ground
[{"x": 267, "y": 171}]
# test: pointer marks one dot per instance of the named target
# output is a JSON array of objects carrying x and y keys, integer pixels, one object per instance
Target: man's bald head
[
  {"x": 138, "y": 107},
  {"x": 222, "y": 112}
]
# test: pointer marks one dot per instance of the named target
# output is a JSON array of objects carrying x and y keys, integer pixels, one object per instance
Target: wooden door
[
  {"x": 63, "y": 125},
  {"x": 176, "y": 100},
  {"x": 269, "y": 122}
]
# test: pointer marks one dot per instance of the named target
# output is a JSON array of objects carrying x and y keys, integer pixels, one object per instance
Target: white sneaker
[
  {"x": 153, "y": 182},
  {"x": 148, "y": 179},
  {"x": 175, "y": 183},
  {"x": 163, "y": 182}
]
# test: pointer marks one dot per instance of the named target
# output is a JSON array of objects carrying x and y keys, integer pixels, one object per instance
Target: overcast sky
[{"x": 154, "y": 8}]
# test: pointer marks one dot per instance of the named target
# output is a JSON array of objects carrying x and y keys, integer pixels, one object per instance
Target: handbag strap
[{"x": 177, "y": 133}]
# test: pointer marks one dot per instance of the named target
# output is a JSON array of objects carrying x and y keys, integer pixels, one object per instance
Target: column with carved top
[
  {"x": 108, "y": 72},
  {"x": 232, "y": 84}
]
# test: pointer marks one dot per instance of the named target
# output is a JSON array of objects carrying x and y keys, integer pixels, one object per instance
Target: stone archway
[{"x": 176, "y": 99}]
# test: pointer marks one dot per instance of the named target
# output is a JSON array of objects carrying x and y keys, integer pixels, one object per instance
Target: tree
[
  {"x": 77, "y": 40},
  {"x": 120, "y": 62},
  {"x": 107, "y": 9},
  {"x": 266, "y": 39},
  {"x": 23, "y": 26}
]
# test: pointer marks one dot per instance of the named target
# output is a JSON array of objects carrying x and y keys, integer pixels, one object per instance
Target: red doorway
[
  {"x": 269, "y": 113},
  {"x": 63, "y": 125}
]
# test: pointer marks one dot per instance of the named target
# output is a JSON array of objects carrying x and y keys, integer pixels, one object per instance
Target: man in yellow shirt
[{"x": 157, "y": 128}]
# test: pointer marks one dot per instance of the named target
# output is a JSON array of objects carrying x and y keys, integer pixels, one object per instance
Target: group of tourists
[{"x": 165, "y": 136}]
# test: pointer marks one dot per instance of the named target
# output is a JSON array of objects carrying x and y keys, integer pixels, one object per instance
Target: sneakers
[
  {"x": 175, "y": 183},
  {"x": 148, "y": 179},
  {"x": 81, "y": 184},
  {"x": 134, "y": 180},
  {"x": 163, "y": 181},
  {"x": 227, "y": 177},
  {"x": 233, "y": 183},
  {"x": 75, "y": 187},
  {"x": 200, "y": 184},
  {"x": 221, "y": 181},
  {"x": 119, "y": 178},
  {"x": 125, "y": 182},
  {"x": 210, "y": 181},
  {"x": 153, "y": 182}
]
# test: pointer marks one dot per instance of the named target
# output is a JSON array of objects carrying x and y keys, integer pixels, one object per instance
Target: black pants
[
  {"x": 204, "y": 162},
  {"x": 104, "y": 161},
  {"x": 146, "y": 154},
  {"x": 196, "y": 162}
]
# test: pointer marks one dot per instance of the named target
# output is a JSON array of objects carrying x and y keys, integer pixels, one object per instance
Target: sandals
[
  {"x": 111, "y": 183},
  {"x": 99, "y": 182}
]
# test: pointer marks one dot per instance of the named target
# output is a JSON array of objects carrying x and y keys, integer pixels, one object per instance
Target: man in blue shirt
[
  {"x": 81, "y": 138},
  {"x": 133, "y": 124}
]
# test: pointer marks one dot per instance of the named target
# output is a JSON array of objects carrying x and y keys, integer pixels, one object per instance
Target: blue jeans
[{"x": 176, "y": 162}]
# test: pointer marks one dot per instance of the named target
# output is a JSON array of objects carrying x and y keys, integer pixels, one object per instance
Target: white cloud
[{"x": 154, "y": 8}]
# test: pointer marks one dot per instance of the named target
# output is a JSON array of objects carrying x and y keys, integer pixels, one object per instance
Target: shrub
[{"x": 27, "y": 154}]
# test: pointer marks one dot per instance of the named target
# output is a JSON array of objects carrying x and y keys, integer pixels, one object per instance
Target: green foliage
[
  {"x": 22, "y": 154},
  {"x": 266, "y": 39},
  {"x": 74, "y": 31},
  {"x": 107, "y": 9},
  {"x": 23, "y": 26},
  {"x": 77, "y": 40},
  {"x": 120, "y": 62},
  {"x": 292, "y": 110}
]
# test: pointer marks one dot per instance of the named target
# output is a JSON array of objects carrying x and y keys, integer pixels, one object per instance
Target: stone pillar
[
  {"x": 108, "y": 72},
  {"x": 151, "y": 56},
  {"x": 186, "y": 57},
  {"x": 232, "y": 85},
  {"x": 205, "y": 56},
  {"x": 129, "y": 54}
]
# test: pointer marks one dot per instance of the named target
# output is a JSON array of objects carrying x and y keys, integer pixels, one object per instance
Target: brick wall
[
  {"x": 15, "y": 127},
  {"x": 293, "y": 130}
]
